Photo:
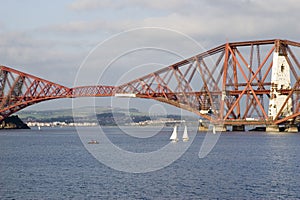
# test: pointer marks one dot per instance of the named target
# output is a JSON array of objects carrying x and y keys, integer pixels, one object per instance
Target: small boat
[
  {"x": 174, "y": 137},
  {"x": 185, "y": 136},
  {"x": 93, "y": 142}
]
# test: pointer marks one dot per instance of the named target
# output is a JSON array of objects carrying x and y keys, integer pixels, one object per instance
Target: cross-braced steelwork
[
  {"x": 230, "y": 84},
  {"x": 19, "y": 90},
  {"x": 254, "y": 82}
]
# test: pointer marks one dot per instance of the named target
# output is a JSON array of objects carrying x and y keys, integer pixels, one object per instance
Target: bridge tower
[{"x": 280, "y": 80}]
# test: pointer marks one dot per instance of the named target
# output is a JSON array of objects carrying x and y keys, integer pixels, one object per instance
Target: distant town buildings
[
  {"x": 53, "y": 124},
  {"x": 156, "y": 122}
]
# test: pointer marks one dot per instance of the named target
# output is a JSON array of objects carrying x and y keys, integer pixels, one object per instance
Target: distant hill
[
  {"x": 105, "y": 116},
  {"x": 81, "y": 114}
]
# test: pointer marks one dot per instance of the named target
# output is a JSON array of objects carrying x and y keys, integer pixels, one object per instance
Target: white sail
[
  {"x": 185, "y": 136},
  {"x": 214, "y": 130},
  {"x": 174, "y": 137}
]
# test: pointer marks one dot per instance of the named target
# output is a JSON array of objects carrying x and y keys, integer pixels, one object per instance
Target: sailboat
[
  {"x": 174, "y": 137},
  {"x": 185, "y": 136}
]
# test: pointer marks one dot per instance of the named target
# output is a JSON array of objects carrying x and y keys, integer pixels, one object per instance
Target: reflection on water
[{"x": 53, "y": 164}]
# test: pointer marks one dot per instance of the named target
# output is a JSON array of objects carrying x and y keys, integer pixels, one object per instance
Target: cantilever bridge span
[
  {"x": 19, "y": 90},
  {"x": 239, "y": 83}
]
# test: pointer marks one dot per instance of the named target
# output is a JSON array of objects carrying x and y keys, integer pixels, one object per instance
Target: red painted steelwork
[
  {"x": 93, "y": 91},
  {"x": 230, "y": 81},
  {"x": 19, "y": 90},
  {"x": 227, "y": 84}
]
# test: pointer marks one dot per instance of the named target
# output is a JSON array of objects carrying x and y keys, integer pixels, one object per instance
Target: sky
[{"x": 81, "y": 42}]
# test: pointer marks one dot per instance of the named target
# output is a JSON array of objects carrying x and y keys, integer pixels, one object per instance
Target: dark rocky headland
[{"x": 13, "y": 122}]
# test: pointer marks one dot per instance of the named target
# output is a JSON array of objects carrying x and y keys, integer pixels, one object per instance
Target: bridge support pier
[
  {"x": 212, "y": 128},
  {"x": 202, "y": 128},
  {"x": 238, "y": 128},
  {"x": 292, "y": 128},
  {"x": 272, "y": 128},
  {"x": 219, "y": 128},
  {"x": 279, "y": 104}
]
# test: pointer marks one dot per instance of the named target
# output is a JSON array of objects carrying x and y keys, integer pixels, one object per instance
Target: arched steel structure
[
  {"x": 19, "y": 90},
  {"x": 230, "y": 84}
]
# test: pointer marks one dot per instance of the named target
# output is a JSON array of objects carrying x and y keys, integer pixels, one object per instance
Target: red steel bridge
[{"x": 238, "y": 83}]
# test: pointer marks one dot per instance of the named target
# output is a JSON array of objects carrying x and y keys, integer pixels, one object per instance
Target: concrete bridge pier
[
  {"x": 272, "y": 128},
  {"x": 219, "y": 128},
  {"x": 202, "y": 126},
  {"x": 211, "y": 127},
  {"x": 292, "y": 128}
]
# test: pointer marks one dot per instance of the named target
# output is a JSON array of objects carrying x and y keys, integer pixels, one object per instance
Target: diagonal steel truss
[
  {"x": 19, "y": 90},
  {"x": 230, "y": 84}
]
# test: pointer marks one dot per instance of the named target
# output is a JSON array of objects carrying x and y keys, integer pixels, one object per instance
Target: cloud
[
  {"x": 18, "y": 46},
  {"x": 2, "y": 26},
  {"x": 202, "y": 27},
  {"x": 192, "y": 6},
  {"x": 40, "y": 57},
  {"x": 87, "y": 5},
  {"x": 91, "y": 27},
  {"x": 200, "y": 19},
  {"x": 276, "y": 7},
  {"x": 56, "y": 49},
  {"x": 209, "y": 22},
  {"x": 83, "y": 5}
]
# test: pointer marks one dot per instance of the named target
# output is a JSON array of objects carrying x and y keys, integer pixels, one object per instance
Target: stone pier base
[
  {"x": 292, "y": 129},
  {"x": 219, "y": 128},
  {"x": 202, "y": 128},
  {"x": 212, "y": 128},
  {"x": 272, "y": 128}
]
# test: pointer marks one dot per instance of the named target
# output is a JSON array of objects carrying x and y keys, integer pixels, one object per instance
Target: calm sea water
[{"x": 53, "y": 164}]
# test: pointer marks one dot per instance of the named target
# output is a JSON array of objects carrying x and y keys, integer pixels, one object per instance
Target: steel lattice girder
[
  {"x": 232, "y": 81},
  {"x": 19, "y": 90},
  {"x": 229, "y": 83}
]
